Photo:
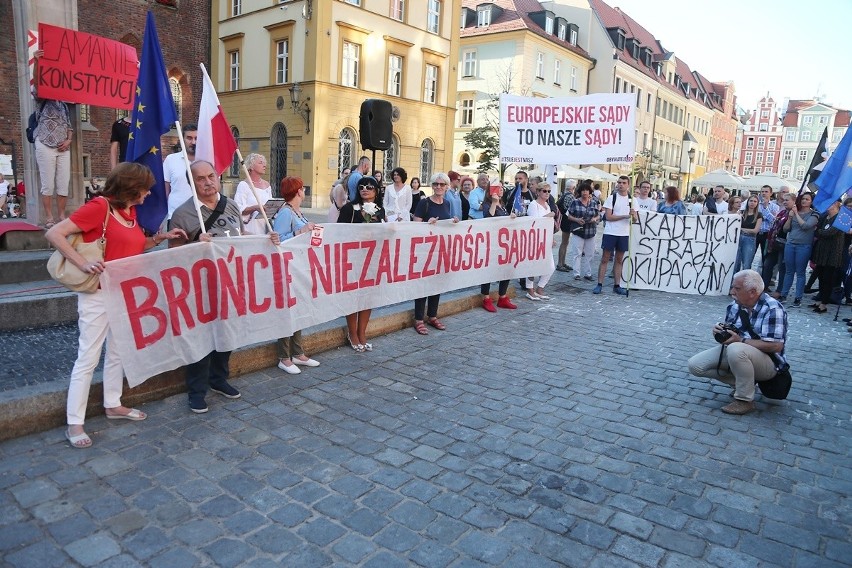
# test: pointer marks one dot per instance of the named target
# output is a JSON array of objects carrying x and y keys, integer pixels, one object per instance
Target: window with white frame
[
  {"x": 785, "y": 171},
  {"x": 353, "y": 2},
  {"x": 770, "y": 157},
  {"x": 761, "y": 142},
  {"x": 803, "y": 155},
  {"x": 572, "y": 39},
  {"x": 573, "y": 83},
  {"x": 433, "y": 16},
  {"x": 759, "y": 158},
  {"x": 282, "y": 60},
  {"x": 772, "y": 143},
  {"x": 483, "y": 16},
  {"x": 467, "y": 112},
  {"x": 750, "y": 142},
  {"x": 394, "y": 75},
  {"x": 764, "y": 113},
  {"x": 430, "y": 86},
  {"x": 469, "y": 63},
  {"x": 748, "y": 156},
  {"x": 823, "y": 120},
  {"x": 548, "y": 24},
  {"x": 426, "y": 154},
  {"x": 837, "y": 135},
  {"x": 557, "y": 72},
  {"x": 397, "y": 11},
  {"x": 539, "y": 66},
  {"x": 809, "y": 119},
  {"x": 806, "y": 135},
  {"x": 351, "y": 61},
  {"x": 563, "y": 30},
  {"x": 787, "y": 155},
  {"x": 790, "y": 135},
  {"x": 800, "y": 172},
  {"x": 234, "y": 70},
  {"x": 236, "y": 7}
]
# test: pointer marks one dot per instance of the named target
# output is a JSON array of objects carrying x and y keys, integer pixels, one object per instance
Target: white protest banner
[
  {"x": 173, "y": 307},
  {"x": 689, "y": 254},
  {"x": 593, "y": 129}
]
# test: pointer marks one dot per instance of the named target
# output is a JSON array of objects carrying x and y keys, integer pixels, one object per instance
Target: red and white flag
[{"x": 216, "y": 142}]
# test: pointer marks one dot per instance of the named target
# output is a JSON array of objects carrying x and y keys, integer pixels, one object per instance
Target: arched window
[
  {"x": 277, "y": 157},
  {"x": 464, "y": 160},
  {"x": 235, "y": 163},
  {"x": 177, "y": 95},
  {"x": 426, "y": 157},
  {"x": 345, "y": 149},
  {"x": 391, "y": 159}
]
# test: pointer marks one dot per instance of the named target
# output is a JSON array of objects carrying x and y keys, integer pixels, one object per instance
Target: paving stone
[
  {"x": 432, "y": 555},
  {"x": 93, "y": 550},
  {"x": 198, "y": 532},
  {"x": 413, "y": 515},
  {"x": 631, "y": 525},
  {"x": 485, "y": 548},
  {"x": 41, "y": 554},
  {"x": 146, "y": 543},
  {"x": 397, "y": 538},
  {"x": 290, "y": 515},
  {"x": 365, "y": 522},
  {"x": 175, "y": 558},
  {"x": 32, "y": 493},
  {"x": 353, "y": 548},
  {"x": 229, "y": 552}
]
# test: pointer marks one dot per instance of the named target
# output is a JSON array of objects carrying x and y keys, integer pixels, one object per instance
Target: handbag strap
[{"x": 106, "y": 218}]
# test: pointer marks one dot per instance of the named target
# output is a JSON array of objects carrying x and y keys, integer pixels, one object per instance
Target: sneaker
[
  {"x": 797, "y": 302},
  {"x": 198, "y": 406},
  {"x": 226, "y": 390},
  {"x": 291, "y": 369},
  {"x": 562, "y": 268},
  {"x": 577, "y": 277},
  {"x": 739, "y": 407},
  {"x": 531, "y": 295},
  {"x": 619, "y": 290},
  {"x": 488, "y": 305},
  {"x": 307, "y": 362},
  {"x": 597, "y": 289},
  {"x": 506, "y": 303}
]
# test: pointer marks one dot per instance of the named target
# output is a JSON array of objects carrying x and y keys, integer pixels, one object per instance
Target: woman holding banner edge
[
  {"x": 431, "y": 210},
  {"x": 113, "y": 216}
]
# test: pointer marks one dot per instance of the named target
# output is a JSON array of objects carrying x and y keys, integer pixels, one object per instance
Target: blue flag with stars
[
  {"x": 153, "y": 115},
  {"x": 836, "y": 176}
]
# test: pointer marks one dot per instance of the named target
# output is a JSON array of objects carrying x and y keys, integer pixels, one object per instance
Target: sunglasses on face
[{"x": 544, "y": 191}]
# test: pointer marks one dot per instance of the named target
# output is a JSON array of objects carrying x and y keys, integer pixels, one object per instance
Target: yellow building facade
[{"x": 292, "y": 76}]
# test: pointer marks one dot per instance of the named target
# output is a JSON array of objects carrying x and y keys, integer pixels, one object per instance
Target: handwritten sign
[
  {"x": 172, "y": 307},
  {"x": 594, "y": 129},
  {"x": 690, "y": 254},
  {"x": 82, "y": 68}
]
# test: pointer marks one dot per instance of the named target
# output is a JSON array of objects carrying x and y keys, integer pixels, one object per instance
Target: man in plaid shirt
[{"x": 745, "y": 358}]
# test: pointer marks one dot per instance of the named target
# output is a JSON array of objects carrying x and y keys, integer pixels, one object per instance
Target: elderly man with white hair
[{"x": 751, "y": 342}]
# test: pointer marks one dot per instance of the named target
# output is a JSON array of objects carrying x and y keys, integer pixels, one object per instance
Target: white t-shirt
[
  {"x": 245, "y": 198},
  {"x": 696, "y": 208},
  {"x": 643, "y": 204},
  {"x": 174, "y": 172},
  {"x": 536, "y": 209},
  {"x": 620, "y": 228}
]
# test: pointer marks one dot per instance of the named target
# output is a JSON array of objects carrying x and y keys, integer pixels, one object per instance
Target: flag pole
[
  {"x": 191, "y": 179},
  {"x": 254, "y": 190},
  {"x": 630, "y": 234}
]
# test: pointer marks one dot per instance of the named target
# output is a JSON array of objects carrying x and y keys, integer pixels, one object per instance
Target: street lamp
[
  {"x": 727, "y": 164},
  {"x": 691, "y": 155},
  {"x": 300, "y": 107}
]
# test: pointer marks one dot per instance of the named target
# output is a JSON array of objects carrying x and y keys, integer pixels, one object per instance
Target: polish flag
[{"x": 216, "y": 143}]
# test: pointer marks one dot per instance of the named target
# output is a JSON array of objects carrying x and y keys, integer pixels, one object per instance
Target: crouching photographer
[{"x": 751, "y": 346}]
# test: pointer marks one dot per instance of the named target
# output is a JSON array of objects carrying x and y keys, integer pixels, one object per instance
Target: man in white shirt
[
  {"x": 178, "y": 189},
  {"x": 717, "y": 205},
  {"x": 644, "y": 202},
  {"x": 616, "y": 234}
]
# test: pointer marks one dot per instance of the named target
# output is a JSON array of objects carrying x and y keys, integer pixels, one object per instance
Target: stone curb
[{"x": 32, "y": 410}]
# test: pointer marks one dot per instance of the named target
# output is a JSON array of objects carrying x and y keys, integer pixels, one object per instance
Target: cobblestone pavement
[{"x": 565, "y": 433}]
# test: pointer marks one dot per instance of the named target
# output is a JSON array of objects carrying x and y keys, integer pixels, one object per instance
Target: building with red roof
[
  {"x": 803, "y": 123},
  {"x": 761, "y": 145}
]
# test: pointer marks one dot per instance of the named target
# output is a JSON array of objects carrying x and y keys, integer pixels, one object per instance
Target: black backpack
[{"x": 32, "y": 123}]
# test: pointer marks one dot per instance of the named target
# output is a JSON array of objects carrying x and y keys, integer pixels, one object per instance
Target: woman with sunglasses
[
  {"x": 540, "y": 208},
  {"x": 366, "y": 208},
  {"x": 431, "y": 210}
]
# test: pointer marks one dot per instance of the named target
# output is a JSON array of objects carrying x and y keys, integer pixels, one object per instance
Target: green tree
[{"x": 484, "y": 139}]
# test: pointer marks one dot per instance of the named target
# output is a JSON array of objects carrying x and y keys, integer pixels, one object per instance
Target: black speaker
[{"x": 376, "y": 125}]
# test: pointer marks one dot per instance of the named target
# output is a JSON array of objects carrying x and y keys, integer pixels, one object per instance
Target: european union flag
[
  {"x": 153, "y": 115},
  {"x": 517, "y": 207},
  {"x": 836, "y": 176}
]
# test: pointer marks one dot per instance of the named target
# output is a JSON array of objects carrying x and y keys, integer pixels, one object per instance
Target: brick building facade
[{"x": 184, "y": 30}]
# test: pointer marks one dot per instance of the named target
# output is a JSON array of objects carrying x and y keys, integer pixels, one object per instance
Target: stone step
[
  {"x": 17, "y": 267},
  {"x": 36, "y": 304}
]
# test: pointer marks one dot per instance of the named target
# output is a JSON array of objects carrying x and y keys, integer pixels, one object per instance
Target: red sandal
[
  {"x": 420, "y": 328},
  {"x": 436, "y": 323}
]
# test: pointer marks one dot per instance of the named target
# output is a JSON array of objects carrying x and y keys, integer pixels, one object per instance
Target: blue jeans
[
  {"x": 796, "y": 258},
  {"x": 745, "y": 252}
]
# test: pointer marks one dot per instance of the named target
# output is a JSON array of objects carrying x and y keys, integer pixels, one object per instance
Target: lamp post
[
  {"x": 691, "y": 155},
  {"x": 728, "y": 164},
  {"x": 300, "y": 107}
]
